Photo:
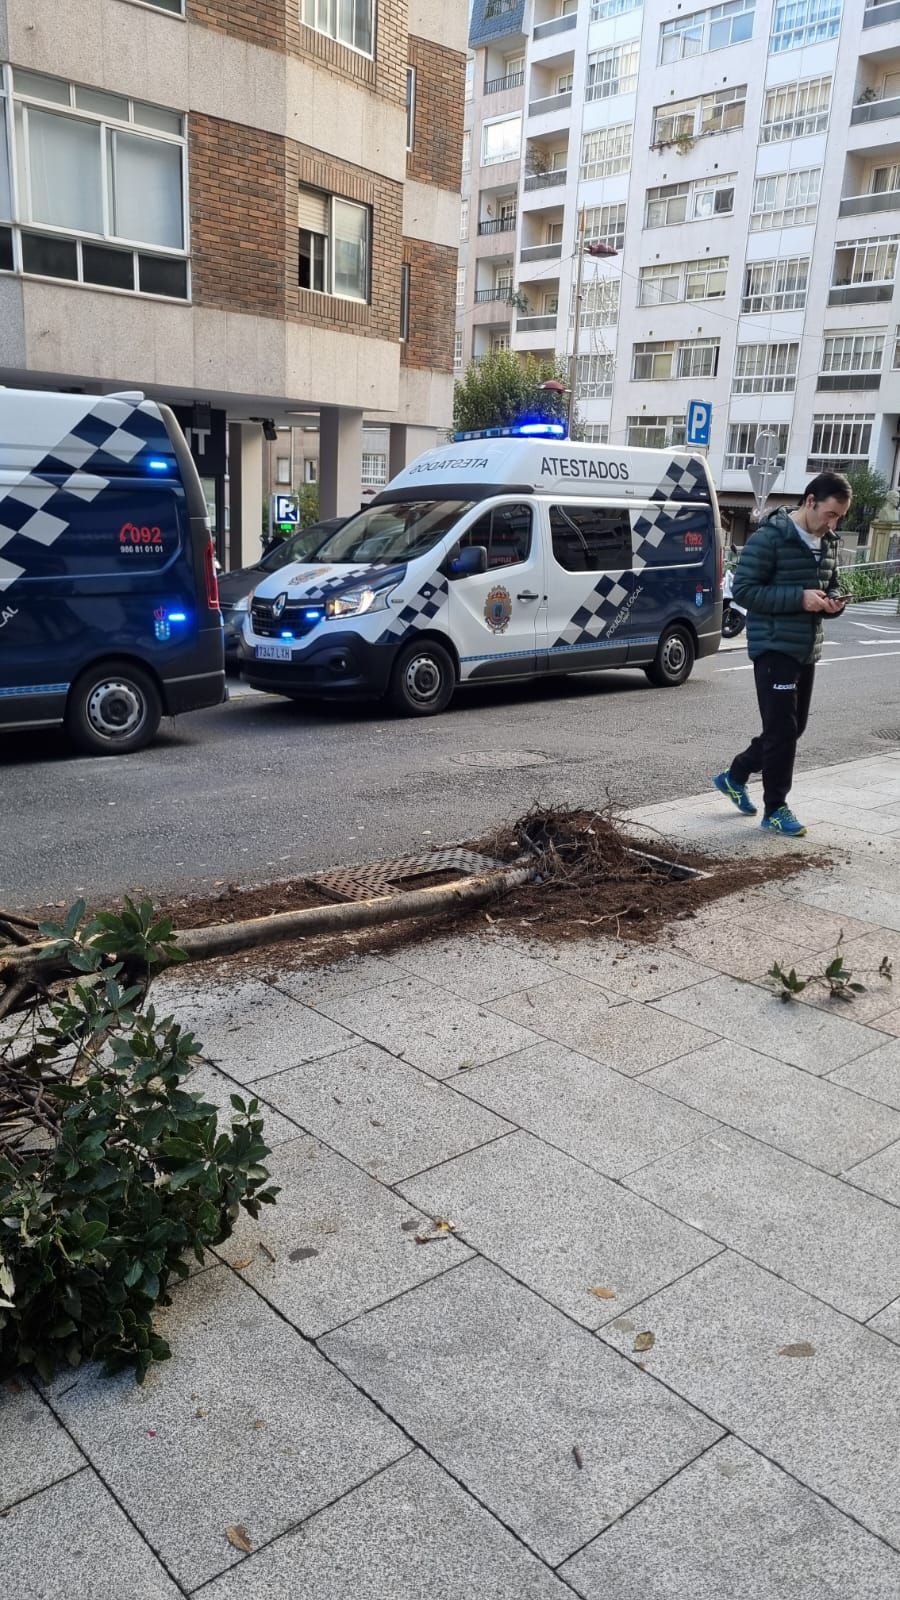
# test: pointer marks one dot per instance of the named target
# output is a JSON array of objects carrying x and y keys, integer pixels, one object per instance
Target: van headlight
[
  {"x": 243, "y": 604},
  {"x": 356, "y": 602}
]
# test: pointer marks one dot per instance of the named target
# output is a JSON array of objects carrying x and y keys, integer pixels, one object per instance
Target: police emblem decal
[{"x": 498, "y": 609}]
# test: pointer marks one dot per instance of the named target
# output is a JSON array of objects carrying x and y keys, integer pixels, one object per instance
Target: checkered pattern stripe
[
  {"x": 321, "y": 591},
  {"x": 684, "y": 480},
  {"x": 38, "y": 506},
  {"x": 421, "y": 609},
  {"x": 597, "y": 610}
]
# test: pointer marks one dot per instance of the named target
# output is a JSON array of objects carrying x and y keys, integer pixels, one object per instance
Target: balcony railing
[
  {"x": 539, "y": 324},
  {"x": 861, "y": 205},
  {"x": 545, "y": 180},
  {"x": 482, "y": 296},
  {"x": 550, "y": 102},
  {"x": 513, "y": 80},
  {"x": 876, "y": 110},
  {"x": 541, "y": 252},
  {"x": 887, "y": 11},
  {"x": 859, "y": 294},
  {"x": 505, "y": 224},
  {"x": 545, "y": 30},
  {"x": 849, "y": 380}
]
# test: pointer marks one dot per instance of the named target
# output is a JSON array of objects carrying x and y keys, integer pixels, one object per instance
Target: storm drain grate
[
  {"x": 388, "y": 877},
  {"x": 890, "y": 735}
]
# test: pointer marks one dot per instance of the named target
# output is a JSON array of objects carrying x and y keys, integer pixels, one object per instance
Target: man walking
[{"x": 787, "y": 578}]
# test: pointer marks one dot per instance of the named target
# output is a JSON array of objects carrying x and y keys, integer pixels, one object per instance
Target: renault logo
[{"x": 278, "y": 605}]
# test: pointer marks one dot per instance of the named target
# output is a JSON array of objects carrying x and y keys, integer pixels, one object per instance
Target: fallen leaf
[
  {"x": 798, "y": 1350},
  {"x": 410, "y": 1225},
  {"x": 245, "y": 1261},
  {"x": 375, "y": 1122},
  {"x": 443, "y": 1226},
  {"x": 266, "y": 1251},
  {"x": 239, "y": 1537},
  {"x": 579, "y": 1458},
  {"x": 199, "y": 1412},
  {"x": 602, "y": 1292},
  {"x": 258, "y": 1424},
  {"x": 644, "y": 1341}
]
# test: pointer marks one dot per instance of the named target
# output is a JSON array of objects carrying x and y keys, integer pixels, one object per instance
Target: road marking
[{"x": 828, "y": 661}]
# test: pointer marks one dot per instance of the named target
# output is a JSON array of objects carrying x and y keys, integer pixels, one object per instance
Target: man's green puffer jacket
[{"x": 774, "y": 569}]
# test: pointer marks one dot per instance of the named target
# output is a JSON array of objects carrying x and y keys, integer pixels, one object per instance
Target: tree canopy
[{"x": 503, "y": 388}]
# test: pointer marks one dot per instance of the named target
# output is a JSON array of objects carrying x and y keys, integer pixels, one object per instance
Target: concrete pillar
[
  {"x": 340, "y": 461},
  {"x": 405, "y": 444},
  {"x": 245, "y": 471}
]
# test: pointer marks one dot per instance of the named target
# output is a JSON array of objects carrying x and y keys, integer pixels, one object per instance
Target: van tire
[
  {"x": 113, "y": 708},
  {"x": 423, "y": 680},
  {"x": 674, "y": 659}
]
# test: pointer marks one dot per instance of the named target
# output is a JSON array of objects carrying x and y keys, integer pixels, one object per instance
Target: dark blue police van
[{"x": 109, "y": 608}]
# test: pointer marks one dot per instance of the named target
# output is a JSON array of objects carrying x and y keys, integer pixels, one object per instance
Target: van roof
[
  {"x": 42, "y": 430},
  {"x": 555, "y": 466}
]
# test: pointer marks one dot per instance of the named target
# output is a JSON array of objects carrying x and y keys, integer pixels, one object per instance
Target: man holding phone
[{"x": 788, "y": 578}]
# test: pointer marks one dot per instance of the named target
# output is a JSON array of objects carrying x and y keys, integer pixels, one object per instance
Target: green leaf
[{"x": 185, "y": 1175}]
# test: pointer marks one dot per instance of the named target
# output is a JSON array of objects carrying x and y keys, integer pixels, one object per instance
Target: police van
[
  {"x": 109, "y": 610},
  {"x": 511, "y": 554}
]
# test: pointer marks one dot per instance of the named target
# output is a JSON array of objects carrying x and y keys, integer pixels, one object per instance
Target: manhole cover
[
  {"x": 500, "y": 759},
  {"x": 892, "y": 735},
  {"x": 368, "y": 882}
]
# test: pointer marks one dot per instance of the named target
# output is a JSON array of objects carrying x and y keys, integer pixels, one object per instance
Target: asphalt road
[{"x": 261, "y": 788}]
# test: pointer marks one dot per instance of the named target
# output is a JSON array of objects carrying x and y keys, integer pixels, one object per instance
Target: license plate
[{"x": 273, "y": 652}]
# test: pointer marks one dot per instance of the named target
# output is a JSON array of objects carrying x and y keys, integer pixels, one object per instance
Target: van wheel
[
  {"x": 113, "y": 709},
  {"x": 423, "y": 680},
  {"x": 674, "y": 659}
]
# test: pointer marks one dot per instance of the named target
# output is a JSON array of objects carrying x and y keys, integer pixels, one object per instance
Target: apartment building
[
  {"x": 248, "y": 210},
  {"x": 743, "y": 159}
]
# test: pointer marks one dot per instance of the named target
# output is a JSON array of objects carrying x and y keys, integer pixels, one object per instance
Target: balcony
[
  {"x": 505, "y": 224},
  {"x": 546, "y": 30},
  {"x": 876, "y": 110},
  {"x": 541, "y": 252},
  {"x": 513, "y": 80},
  {"x": 859, "y": 294},
  {"x": 544, "y": 180},
  {"x": 863, "y": 205},
  {"x": 483, "y": 297},
  {"x": 536, "y": 324},
  {"x": 550, "y": 102},
  {"x": 848, "y": 380},
  {"x": 887, "y": 11}
]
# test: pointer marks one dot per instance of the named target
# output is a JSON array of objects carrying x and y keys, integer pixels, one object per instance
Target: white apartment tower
[{"x": 744, "y": 161}]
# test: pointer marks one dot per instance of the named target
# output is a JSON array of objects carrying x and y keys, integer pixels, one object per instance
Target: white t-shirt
[{"x": 809, "y": 539}]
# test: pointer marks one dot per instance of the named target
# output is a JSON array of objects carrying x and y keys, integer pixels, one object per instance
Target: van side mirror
[{"x": 474, "y": 558}]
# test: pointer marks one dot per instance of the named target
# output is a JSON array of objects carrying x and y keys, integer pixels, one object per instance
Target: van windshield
[{"x": 387, "y": 533}]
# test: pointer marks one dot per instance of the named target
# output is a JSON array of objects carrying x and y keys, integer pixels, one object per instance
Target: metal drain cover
[
  {"x": 891, "y": 735},
  {"x": 381, "y": 878},
  {"x": 500, "y": 760}
]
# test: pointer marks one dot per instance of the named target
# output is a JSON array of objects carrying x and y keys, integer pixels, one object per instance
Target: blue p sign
[{"x": 699, "y": 422}]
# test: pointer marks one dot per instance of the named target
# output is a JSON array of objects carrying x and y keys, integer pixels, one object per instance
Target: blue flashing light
[
  {"x": 286, "y": 633},
  {"x": 157, "y": 464},
  {"x": 545, "y": 430},
  {"x": 178, "y": 616},
  {"x": 518, "y": 430},
  {"x": 313, "y": 616}
]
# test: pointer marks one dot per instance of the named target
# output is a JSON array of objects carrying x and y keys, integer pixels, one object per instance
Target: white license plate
[{"x": 273, "y": 652}]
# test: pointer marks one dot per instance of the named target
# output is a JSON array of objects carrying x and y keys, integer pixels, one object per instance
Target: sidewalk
[{"x": 657, "y": 1355}]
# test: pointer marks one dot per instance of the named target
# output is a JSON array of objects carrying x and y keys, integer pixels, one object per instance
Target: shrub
[{"x": 111, "y": 1170}]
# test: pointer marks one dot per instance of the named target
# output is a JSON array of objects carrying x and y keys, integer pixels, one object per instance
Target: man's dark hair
[{"x": 828, "y": 486}]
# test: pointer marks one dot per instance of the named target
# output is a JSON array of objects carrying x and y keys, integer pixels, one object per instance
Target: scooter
[{"x": 734, "y": 617}]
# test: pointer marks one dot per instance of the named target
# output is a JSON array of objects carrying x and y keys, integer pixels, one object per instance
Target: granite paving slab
[
  {"x": 887, "y": 1322},
  {"x": 253, "y": 1029},
  {"x": 217, "y": 1089},
  {"x": 410, "y": 1533},
  {"x": 803, "y": 1036},
  {"x": 864, "y": 820},
  {"x": 185, "y": 1454},
  {"x": 737, "y": 949},
  {"x": 479, "y": 968},
  {"x": 584, "y": 1108},
  {"x": 797, "y": 1112},
  {"x": 618, "y": 1032},
  {"x": 34, "y": 1450},
  {"x": 876, "y": 1074},
  {"x": 385, "y": 1115},
  {"x": 73, "y": 1542},
  {"x": 501, "y": 1389},
  {"x": 342, "y": 1242},
  {"x": 879, "y": 1175},
  {"x": 890, "y": 1023},
  {"x": 428, "y": 1026},
  {"x": 354, "y": 974},
  {"x": 868, "y": 903},
  {"x": 559, "y": 1227},
  {"x": 635, "y": 971},
  {"x": 814, "y": 1230},
  {"x": 831, "y": 1418},
  {"x": 732, "y": 1524}
]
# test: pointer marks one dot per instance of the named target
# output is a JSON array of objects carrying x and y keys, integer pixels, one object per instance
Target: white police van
[{"x": 511, "y": 554}]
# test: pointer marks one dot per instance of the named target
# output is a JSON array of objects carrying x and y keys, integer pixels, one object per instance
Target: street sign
[
  {"x": 284, "y": 511},
  {"x": 764, "y": 469},
  {"x": 699, "y": 422}
]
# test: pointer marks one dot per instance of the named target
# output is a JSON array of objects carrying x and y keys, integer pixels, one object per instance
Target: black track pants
[{"x": 784, "y": 690}]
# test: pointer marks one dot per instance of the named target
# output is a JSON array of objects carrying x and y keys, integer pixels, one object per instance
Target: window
[
  {"x": 498, "y": 8},
  {"x": 457, "y": 352},
  {"x": 564, "y": 82},
  {"x": 683, "y": 280},
  {"x": 599, "y": 303},
  {"x": 594, "y": 377},
  {"x": 374, "y": 470},
  {"x": 591, "y": 538},
  {"x": 501, "y": 141},
  {"x": 505, "y": 532},
  {"x": 776, "y": 285},
  {"x": 175, "y": 6},
  {"x": 895, "y": 363},
  {"x": 411, "y": 106},
  {"x": 884, "y": 180},
  {"x": 706, "y": 30},
  {"x": 282, "y": 470},
  {"x": 606, "y": 152},
  {"x": 333, "y": 245},
  {"x": 347, "y": 21},
  {"x": 742, "y": 444},
  {"x": 869, "y": 261},
  {"x": 785, "y": 200},
  {"x": 655, "y": 360},
  {"x": 463, "y": 221},
  {"x": 801, "y": 22},
  {"x": 470, "y": 78},
  {"x": 606, "y": 223},
  {"x": 707, "y": 114},
  {"x": 404, "y": 303},
  {"x": 467, "y": 150},
  {"x": 613, "y": 71},
  {"x": 310, "y": 471},
  {"x": 595, "y": 432},
  {"x": 601, "y": 9},
  {"x": 796, "y": 110},
  {"x": 553, "y": 233},
  {"x": 100, "y": 166},
  {"x": 765, "y": 368},
  {"x": 654, "y": 433},
  {"x": 839, "y": 441},
  {"x": 499, "y": 341},
  {"x": 700, "y": 201},
  {"x": 852, "y": 360},
  {"x": 460, "y": 288},
  {"x": 697, "y": 358}
]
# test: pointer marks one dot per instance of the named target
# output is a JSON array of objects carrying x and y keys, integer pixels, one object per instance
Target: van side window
[
  {"x": 505, "y": 532},
  {"x": 676, "y": 535},
  {"x": 591, "y": 538},
  {"x": 128, "y": 528}
]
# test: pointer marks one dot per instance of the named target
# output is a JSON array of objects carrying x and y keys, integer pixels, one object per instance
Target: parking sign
[
  {"x": 285, "y": 510},
  {"x": 699, "y": 422}
]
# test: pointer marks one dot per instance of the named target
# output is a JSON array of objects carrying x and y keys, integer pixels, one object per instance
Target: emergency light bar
[{"x": 518, "y": 430}]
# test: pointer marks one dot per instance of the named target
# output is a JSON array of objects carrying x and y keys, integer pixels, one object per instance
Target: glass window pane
[
  {"x": 6, "y": 255},
  {"x": 351, "y": 265},
  {"x": 102, "y": 104},
  {"x": 163, "y": 275},
  {"x": 64, "y": 159},
  {"x": 156, "y": 117},
  {"x": 147, "y": 201},
  {"x": 40, "y": 87},
  {"x": 112, "y": 268},
  {"x": 5, "y": 178},
  {"x": 52, "y": 258}
]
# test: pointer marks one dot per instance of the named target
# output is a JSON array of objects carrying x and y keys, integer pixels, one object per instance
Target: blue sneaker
[
  {"x": 783, "y": 821},
  {"x": 736, "y": 792}
]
